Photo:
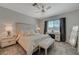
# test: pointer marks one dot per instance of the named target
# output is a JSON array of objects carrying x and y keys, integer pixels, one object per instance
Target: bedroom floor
[
  {"x": 60, "y": 48},
  {"x": 12, "y": 50}
]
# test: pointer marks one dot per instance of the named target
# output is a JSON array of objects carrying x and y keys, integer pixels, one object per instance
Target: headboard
[
  {"x": 23, "y": 27},
  {"x": 23, "y": 40}
]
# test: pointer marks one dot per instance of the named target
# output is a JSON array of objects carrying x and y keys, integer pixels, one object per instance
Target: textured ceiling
[{"x": 28, "y": 9}]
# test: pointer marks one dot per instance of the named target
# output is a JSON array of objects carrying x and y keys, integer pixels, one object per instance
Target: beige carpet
[
  {"x": 60, "y": 48},
  {"x": 12, "y": 50}
]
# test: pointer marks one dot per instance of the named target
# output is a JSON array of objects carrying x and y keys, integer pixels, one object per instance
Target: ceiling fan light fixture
[
  {"x": 34, "y": 4},
  {"x": 41, "y": 6},
  {"x": 43, "y": 10}
]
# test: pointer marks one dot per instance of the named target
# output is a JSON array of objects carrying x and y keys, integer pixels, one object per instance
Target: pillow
[{"x": 28, "y": 34}]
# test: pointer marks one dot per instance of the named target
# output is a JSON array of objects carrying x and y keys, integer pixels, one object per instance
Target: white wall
[
  {"x": 8, "y": 16},
  {"x": 72, "y": 18}
]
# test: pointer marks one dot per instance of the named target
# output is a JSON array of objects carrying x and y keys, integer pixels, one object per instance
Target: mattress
[{"x": 37, "y": 38}]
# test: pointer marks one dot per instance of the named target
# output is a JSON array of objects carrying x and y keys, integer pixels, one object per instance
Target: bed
[
  {"x": 29, "y": 39},
  {"x": 30, "y": 43}
]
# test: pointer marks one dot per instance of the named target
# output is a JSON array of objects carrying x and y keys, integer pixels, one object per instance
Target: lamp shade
[
  {"x": 8, "y": 28},
  {"x": 38, "y": 28}
]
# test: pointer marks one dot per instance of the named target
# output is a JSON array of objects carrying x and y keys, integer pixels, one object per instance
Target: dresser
[
  {"x": 57, "y": 36},
  {"x": 7, "y": 41}
]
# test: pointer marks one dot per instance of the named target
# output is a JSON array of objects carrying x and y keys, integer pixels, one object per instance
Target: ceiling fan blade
[
  {"x": 49, "y": 7},
  {"x": 37, "y": 11}
]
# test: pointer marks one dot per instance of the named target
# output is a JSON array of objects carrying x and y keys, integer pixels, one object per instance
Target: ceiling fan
[{"x": 41, "y": 7}]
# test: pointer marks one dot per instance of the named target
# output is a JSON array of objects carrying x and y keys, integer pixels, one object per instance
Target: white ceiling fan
[{"x": 41, "y": 7}]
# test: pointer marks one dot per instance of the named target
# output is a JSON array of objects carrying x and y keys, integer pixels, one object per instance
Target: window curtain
[
  {"x": 45, "y": 27},
  {"x": 63, "y": 29}
]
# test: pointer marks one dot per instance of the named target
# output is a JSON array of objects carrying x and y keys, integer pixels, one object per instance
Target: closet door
[{"x": 63, "y": 29}]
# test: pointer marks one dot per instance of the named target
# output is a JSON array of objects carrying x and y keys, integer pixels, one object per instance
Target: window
[
  {"x": 50, "y": 24},
  {"x": 53, "y": 25}
]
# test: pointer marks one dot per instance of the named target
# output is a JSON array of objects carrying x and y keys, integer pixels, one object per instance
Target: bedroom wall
[
  {"x": 10, "y": 17},
  {"x": 72, "y": 18}
]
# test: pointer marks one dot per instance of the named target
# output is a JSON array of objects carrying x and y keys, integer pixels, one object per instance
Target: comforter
[{"x": 29, "y": 43}]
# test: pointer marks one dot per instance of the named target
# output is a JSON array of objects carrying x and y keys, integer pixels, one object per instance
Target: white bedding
[
  {"x": 29, "y": 39},
  {"x": 37, "y": 38},
  {"x": 29, "y": 43}
]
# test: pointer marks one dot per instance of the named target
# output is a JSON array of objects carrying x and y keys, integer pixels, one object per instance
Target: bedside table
[{"x": 7, "y": 41}]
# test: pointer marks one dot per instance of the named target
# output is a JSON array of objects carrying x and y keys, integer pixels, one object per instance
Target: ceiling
[{"x": 28, "y": 9}]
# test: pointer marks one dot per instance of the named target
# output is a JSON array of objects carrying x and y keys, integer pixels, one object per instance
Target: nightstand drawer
[
  {"x": 6, "y": 40},
  {"x": 4, "y": 44}
]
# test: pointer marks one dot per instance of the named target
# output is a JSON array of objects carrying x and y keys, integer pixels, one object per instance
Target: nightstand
[
  {"x": 57, "y": 37},
  {"x": 7, "y": 41}
]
